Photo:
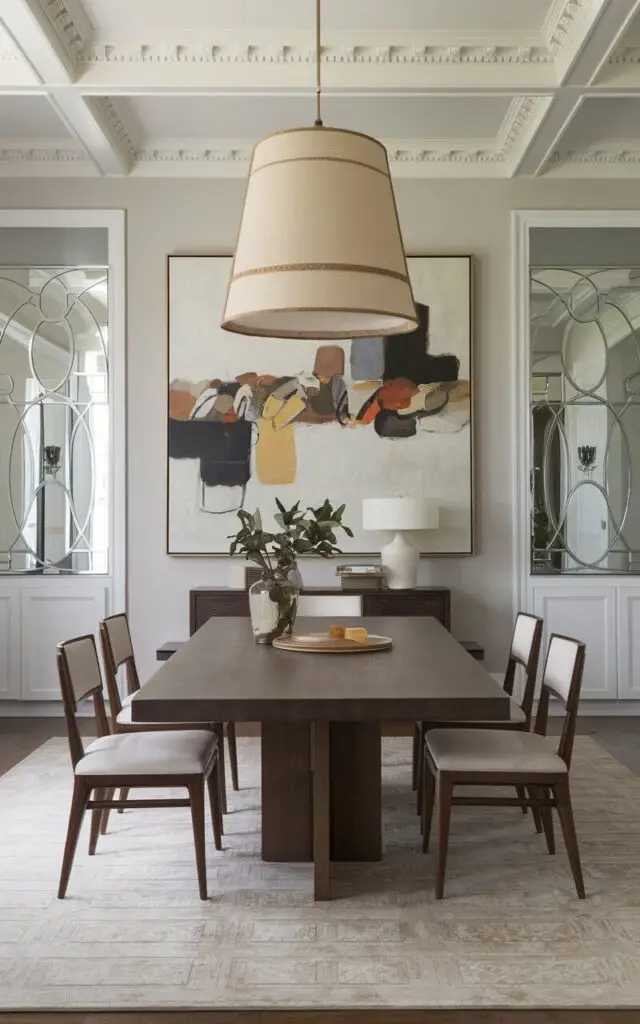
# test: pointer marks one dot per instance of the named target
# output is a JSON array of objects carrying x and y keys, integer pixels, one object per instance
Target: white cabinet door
[
  {"x": 49, "y": 616},
  {"x": 9, "y": 645},
  {"x": 629, "y": 643},
  {"x": 588, "y": 614}
]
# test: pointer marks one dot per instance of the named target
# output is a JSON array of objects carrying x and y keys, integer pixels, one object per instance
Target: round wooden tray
[{"x": 322, "y": 643}]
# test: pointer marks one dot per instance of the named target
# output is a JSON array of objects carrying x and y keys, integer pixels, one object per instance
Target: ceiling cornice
[
  {"x": 42, "y": 154},
  {"x": 616, "y": 154},
  {"x": 283, "y": 53},
  {"x": 626, "y": 55},
  {"x": 66, "y": 28},
  {"x": 565, "y": 18}
]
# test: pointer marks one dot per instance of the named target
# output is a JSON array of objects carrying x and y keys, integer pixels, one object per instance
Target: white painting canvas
[{"x": 251, "y": 419}]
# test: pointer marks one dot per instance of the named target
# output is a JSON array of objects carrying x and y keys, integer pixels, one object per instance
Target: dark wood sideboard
[{"x": 205, "y": 602}]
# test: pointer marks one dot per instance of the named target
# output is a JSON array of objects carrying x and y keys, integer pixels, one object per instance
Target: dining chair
[
  {"x": 162, "y": 759},
  {"x": 491, "y": 757},
  {"x": 327, "y": 605},
  {"x": 525, "y": 652},
  {"x": 117, "y": 654}
]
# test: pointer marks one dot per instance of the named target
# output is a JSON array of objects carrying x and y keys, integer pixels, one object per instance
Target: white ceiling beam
[
  {"x": 52, "y": 59},
  {"x": 581, "y": 70}
]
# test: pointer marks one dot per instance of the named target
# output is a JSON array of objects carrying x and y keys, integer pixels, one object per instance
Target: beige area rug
[{"x": 132, "y": 932}]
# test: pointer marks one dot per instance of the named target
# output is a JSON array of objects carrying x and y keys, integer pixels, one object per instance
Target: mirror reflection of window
[
  {"x": 585, "y": 419},
  {"x": 54, "y": 420}
]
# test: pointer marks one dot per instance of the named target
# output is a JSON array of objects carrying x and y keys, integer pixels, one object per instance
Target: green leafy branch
[{"x": 309, "y": 531}]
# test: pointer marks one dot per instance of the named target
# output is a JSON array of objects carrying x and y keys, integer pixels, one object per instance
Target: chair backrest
[
  {"x": 562, "y": 678},
  {"x": 525, "y": 650},
  {"x": 117, "y": 652},
  {"x": 80, "y": 678},
  {"x": 326, "y": 605}
]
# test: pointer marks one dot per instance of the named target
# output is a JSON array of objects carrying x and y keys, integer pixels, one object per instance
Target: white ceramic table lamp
[{"x": 400, "y": 558}]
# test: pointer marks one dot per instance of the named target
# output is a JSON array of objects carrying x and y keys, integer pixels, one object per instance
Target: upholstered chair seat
[
  {"x": 124, "y": 718},
  {"x": 486, "y": 751},
  {"x": 149, "y": 753}
]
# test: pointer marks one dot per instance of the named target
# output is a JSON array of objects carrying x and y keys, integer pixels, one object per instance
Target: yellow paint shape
[
  {"x": 276, "y": 461},
  {"x": 366, "y": 385}
]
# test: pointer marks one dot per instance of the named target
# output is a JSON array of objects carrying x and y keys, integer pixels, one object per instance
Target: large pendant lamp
[{"x": 319, "y": 254}]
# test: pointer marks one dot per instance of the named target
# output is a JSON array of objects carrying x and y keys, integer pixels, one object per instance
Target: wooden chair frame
[
  {"x": 104, "y": 786},
  {"x": 530, "y": 666},
  {"x": 539, "y": 791},
  {"x": 111, "y": 669}
]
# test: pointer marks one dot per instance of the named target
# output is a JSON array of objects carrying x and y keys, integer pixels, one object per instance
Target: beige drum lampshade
[{"x": 320, "y": 253}]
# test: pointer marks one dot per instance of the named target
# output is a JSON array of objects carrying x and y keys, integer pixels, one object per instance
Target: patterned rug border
[{"x": 454, "y": 910}]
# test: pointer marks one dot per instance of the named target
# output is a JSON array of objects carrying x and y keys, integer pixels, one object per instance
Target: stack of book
[{"x": 360, "y": 577}]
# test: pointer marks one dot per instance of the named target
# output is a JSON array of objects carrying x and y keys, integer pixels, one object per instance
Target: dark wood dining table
[{"x": 321, "y": 718}]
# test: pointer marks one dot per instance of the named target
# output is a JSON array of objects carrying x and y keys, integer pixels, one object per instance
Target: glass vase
[{"x": 272, "y": 606}]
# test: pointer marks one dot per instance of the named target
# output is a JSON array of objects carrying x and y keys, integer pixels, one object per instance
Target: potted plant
[{"x": 273, "y": 600}]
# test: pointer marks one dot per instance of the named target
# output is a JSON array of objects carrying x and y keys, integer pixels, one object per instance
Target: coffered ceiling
[{"x": 454, "y": 88}]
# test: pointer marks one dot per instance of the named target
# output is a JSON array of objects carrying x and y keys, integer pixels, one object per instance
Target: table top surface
[{"x": 221, "y": 674}]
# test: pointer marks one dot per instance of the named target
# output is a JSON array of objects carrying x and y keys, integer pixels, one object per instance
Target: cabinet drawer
[
  {"x": 384, "y": 603},
  {"x": 235, "y": 604}
]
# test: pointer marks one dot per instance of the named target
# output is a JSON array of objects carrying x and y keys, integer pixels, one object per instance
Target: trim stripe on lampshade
[
  {"x": 321, "y": 266},
  {"x": 319, "y": 253}
]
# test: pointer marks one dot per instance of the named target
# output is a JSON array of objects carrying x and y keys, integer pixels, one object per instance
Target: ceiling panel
[
  {"x": 251, "y": 117},
  {"x": 601, "y": 120},
  {"x": 30, "y": 117},
  {"x": 155, "y": 19}
]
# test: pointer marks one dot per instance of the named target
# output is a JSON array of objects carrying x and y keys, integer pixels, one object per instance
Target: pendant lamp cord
[{"x": 318, "y": 121}]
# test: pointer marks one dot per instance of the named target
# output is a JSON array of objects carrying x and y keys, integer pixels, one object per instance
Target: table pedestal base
[{"x": 321, "y": 794}]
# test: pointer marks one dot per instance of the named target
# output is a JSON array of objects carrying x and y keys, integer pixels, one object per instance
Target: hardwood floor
[{"x": 383, "y": 1016}]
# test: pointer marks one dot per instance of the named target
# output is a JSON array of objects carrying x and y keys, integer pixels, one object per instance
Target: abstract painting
[{"x": 253, "y": 418}]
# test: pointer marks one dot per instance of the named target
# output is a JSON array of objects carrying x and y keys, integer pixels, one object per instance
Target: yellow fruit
[
  {"x": 336, "y": 632},
  {"x": 357, "y": 633}
]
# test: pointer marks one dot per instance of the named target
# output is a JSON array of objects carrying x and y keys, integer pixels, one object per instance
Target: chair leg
[
  {"x": 444, "y": 793},
  {"x": 537, "y": 817},
  {"x": 196, "y": 796},
  {"x": 218, "y": 729},
  {"x": 76, "y": 814},
  {"x": 124, "y": 793},
  {"x": 522, "y": 795},
  {"x": 96, "y": 821},
  {"x": 429, "y": 789},
  {"x": 109, "y": 795},
  {"x": 414, "y": 756},
  {"x": 214, "y": 803},
  {"x": 420, "y": 778},
  {"x": 565, "y": 813},
  {"x": 547, "y": 821},
  {"x": 233, "y": 753}
]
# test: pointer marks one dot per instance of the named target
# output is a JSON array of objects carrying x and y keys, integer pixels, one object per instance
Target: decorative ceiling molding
[
  {"x": 617, "y": 155},
  {"x": 66, "y": 29},
  {"x": 283, "y": 53},
  {"x": 625, "y": 55},
  {"x": 205, "y": 155},
  {"x": 42, "y": 154},
  {"x": 566, "y": 18},
  {"x": 106, "y": 107}
]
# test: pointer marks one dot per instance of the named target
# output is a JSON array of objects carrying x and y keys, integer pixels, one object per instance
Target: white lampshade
[
  {"x": 399, "y": 514},
  {"x": 319, "y": 254}
]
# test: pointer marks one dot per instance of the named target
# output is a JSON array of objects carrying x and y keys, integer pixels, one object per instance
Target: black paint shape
[
  {"x": 407, "y": 355},
  {"x": 388, "y": 424},
  {"x": 224, "y": 449}
]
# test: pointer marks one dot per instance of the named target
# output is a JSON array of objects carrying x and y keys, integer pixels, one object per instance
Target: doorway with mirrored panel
[
  {"x": 577, "y": 323},
  {"x": 61, "y": 411}
]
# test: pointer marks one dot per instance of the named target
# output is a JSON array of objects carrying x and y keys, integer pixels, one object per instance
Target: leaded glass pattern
[
  {"x": 54, "y": 420},
  {"x": 585, "y": 419}
]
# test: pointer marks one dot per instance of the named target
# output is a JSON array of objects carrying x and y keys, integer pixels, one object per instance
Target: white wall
[{"x": 194, "y": 216}]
